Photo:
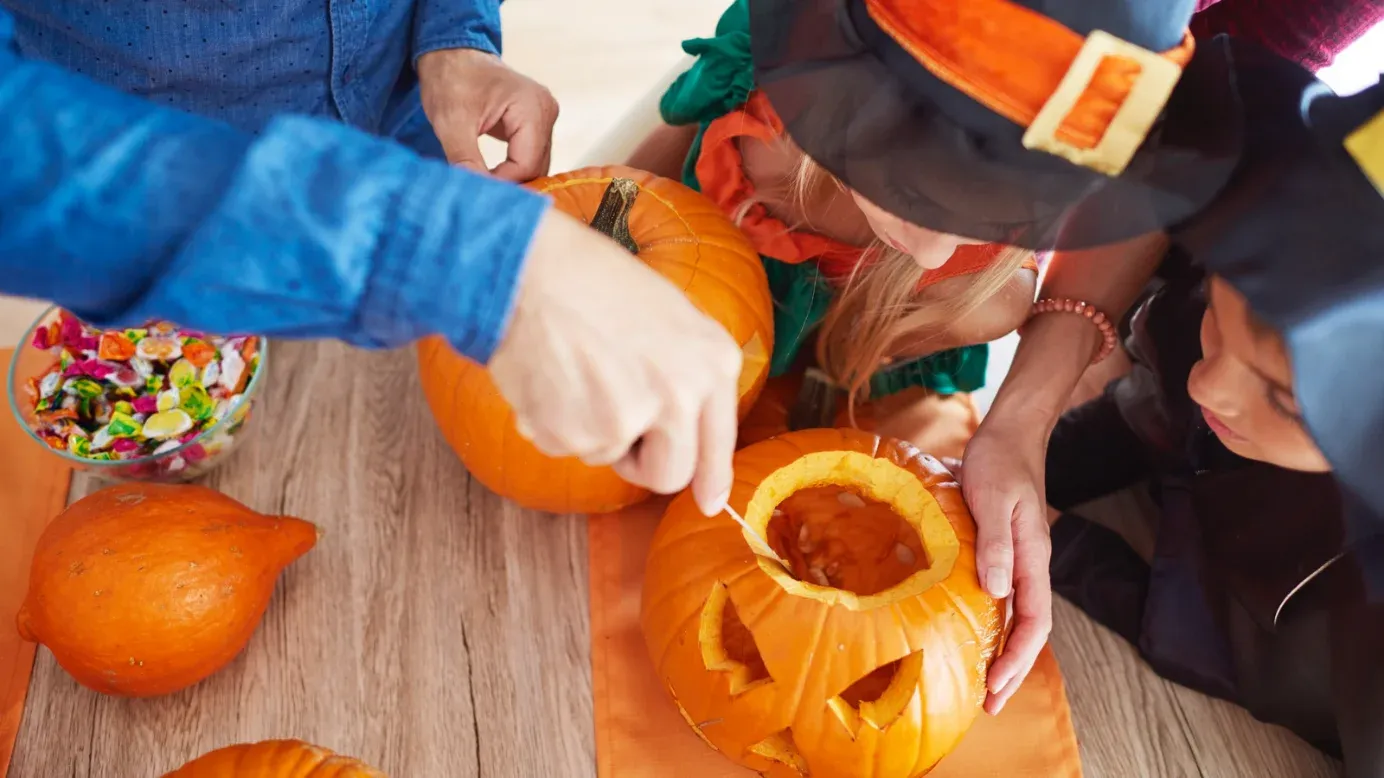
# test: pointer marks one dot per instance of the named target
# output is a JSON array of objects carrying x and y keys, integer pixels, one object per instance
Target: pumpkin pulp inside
[
  {"x": 855, "y": 530},
  {"x": 835, "y": 536}
]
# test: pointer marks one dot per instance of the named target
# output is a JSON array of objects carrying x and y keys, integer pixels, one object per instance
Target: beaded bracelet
[{"x": 1081, "y": 308}]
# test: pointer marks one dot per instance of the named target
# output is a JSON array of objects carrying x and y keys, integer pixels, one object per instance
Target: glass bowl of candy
[{"x": 152, "y": 403}]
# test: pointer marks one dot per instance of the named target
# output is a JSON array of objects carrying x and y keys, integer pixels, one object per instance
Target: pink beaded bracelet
[{"x": 1081, "y": 308}]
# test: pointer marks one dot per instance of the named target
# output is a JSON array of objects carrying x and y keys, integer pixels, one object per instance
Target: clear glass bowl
[{"x": 193, "y": 459}]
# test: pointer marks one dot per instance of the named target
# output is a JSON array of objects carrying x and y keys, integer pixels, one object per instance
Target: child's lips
[{"x": 1219, "y": 427}]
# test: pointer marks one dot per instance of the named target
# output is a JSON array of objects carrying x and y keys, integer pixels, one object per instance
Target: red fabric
[
  {"x": 721, "y": 173},
  {"x": 1309, "y": 32}
]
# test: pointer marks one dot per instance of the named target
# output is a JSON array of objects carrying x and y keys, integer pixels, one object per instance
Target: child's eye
[{"x": 1284, "y": 403}]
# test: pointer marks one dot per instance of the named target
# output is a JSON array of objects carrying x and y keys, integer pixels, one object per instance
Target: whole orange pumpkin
[
  {"x": 274, "y": 759},
  {"x": 144, "y": 589},
  {"x": 678, "y": 233},
  {"x": 866, "y": 656}
]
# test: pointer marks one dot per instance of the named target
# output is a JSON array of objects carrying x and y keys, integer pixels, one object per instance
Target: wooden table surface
[{"x": 438, "y": 632}]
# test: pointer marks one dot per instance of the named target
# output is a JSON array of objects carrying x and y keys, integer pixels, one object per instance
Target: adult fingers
[
  {"x": 716, "y": 448},
  {"x": 528, "y": 130},
  {"x": 666, "y": 457},
  {"x": 460, "y": 142}
]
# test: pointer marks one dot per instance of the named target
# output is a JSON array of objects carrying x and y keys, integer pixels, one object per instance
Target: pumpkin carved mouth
[{"x": 856, "y": 531}]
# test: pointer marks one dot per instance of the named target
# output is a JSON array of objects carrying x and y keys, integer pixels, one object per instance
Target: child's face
[
  {"x": 929, "y": 249},
  {"x": 1244, "y": 385}
]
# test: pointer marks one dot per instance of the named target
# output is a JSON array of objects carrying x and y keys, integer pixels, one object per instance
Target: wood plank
[
  {"x": 1127, "y": 721},
  {"x": 1230, "y": 743},
  {"x": 434, "y": 631}
]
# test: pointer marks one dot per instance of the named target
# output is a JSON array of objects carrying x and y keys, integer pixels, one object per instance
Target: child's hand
[{"x": 1003, "y": 486}]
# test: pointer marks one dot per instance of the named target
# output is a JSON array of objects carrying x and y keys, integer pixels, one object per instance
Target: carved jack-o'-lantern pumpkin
[
  {"x": 677, "y": 232},
  {"x": 864, "y": 657}
]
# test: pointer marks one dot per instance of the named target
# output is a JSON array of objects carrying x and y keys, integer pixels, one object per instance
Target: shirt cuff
[
  {"x": 452, "y": 264},
  {"x": 479, "y": 41}
]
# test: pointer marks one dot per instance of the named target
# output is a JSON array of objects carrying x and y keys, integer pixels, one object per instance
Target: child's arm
[
  {"x": 992, "y": 320},
  {"x": 998, "y": 316},
  {"x": 664, "y": 151}
]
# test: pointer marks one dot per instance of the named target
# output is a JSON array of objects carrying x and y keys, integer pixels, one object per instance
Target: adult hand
[
  {"x": 468, "y": 93},
  {"x": 1003, "y": 485},
  {"x": 606, "y": 360}
]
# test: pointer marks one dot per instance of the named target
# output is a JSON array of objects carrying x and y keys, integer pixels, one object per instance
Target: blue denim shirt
[{"x": 158, "y": 160}]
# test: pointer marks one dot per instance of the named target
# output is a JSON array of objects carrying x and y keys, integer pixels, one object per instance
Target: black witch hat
[{"x": 991, "y": 119}]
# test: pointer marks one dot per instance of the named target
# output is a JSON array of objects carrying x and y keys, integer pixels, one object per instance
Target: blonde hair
[{"x": 879, "y": 305}]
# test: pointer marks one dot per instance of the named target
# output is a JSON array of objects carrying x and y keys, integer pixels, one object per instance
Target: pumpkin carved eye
[
  {"x": 727, "y": 646},
  {"x": 817, "y": 666}
]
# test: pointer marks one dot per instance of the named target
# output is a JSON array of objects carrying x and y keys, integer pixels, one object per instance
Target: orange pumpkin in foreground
[
  {"x": 678, "y": 233},
  {"x": 274, "y": 759},
  {"x": 866, "y": 658},
  {"x": 144, "y": 589}
]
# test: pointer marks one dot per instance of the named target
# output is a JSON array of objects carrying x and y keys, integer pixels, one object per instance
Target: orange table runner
[
  {"x": 639, "y": 733},
  {"x": 33, "y": 489}
]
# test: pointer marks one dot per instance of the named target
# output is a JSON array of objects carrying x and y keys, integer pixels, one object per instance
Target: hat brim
[{"x": 870, "y": 114}]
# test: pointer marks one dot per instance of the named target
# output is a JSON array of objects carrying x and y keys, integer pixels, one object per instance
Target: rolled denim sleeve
[
  {"x": 456, "y": 24},
  {"x": 123, "y": 211}
]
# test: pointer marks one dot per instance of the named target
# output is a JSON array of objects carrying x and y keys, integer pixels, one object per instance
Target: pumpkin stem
[{"x": 612, "y": 218}]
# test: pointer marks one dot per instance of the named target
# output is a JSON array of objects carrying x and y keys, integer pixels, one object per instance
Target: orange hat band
[{"x": 1091, "y": 100}]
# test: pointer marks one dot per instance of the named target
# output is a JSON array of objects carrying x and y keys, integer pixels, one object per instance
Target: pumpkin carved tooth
[
  {"x": 849, "y": 633},
  {"x": 780, "y": 748}
]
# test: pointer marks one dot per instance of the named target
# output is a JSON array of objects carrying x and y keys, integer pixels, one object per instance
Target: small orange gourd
[
  {"x": 677, "y": 232},
  {"x": 274, "y": 759},
  {"x": 144, "y": 589},
  {"x": 866, "y": 656}
]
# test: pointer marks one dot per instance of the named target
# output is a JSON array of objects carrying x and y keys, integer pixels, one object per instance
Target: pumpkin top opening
[
  {"x": 857, "y": 531},
  {"x": 835, "y": 536}
]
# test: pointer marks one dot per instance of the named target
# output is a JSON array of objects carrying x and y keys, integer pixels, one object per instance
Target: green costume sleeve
[
  {"x": 717, "y": 83},
  {"x": 722, "y": 77}
]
